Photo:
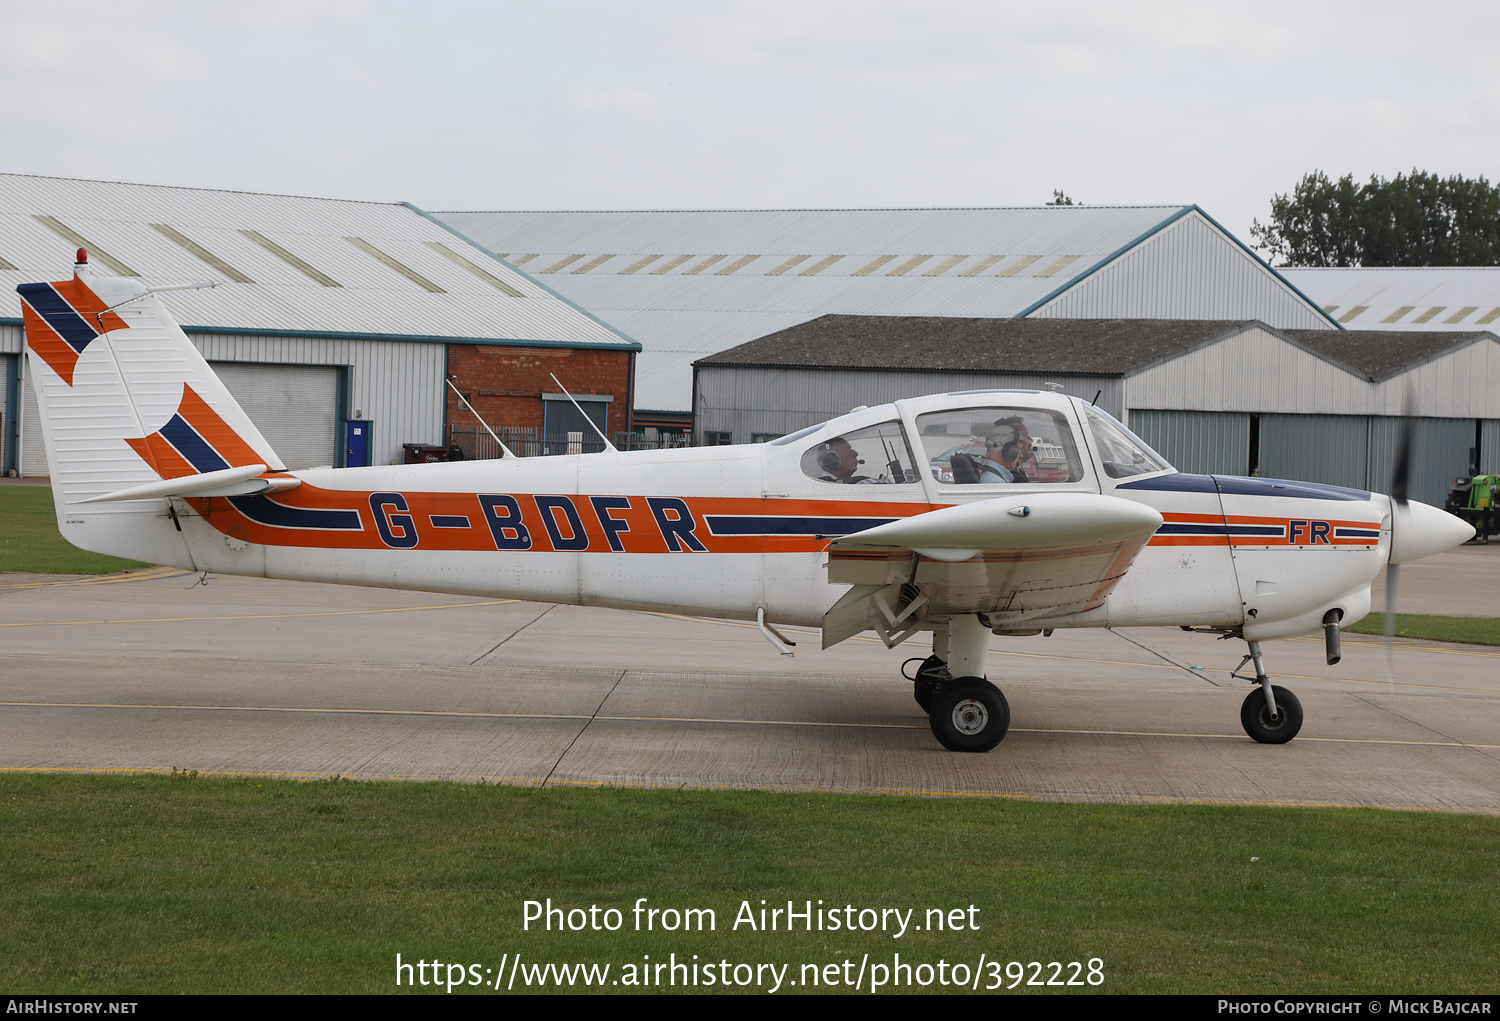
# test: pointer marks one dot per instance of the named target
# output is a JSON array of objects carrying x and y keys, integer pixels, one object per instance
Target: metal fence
[{"x": 477, "y": 444}]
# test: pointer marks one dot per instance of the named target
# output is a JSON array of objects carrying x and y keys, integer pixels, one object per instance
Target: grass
[
  {"x": 1473, "y": 630},
  {"x": 128, "y": 884},
  {"x": 30, "y": 541}
]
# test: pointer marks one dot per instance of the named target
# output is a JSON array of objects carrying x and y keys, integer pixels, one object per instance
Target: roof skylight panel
[
  {"x": 478, "y": 271},
  {"x": 404, "y": 270},
  {"x": 793, "y": 261},
  {"x": 523, "y": 260},
  {"x": 1425, "y": 316},
  {"x": 908, "y": 265},
  {"x": 1061, "y": 263},
  {"x": 593, "y": 263},
  {"x": 563, "y": 263},
  {"x": 1488, "y": 317},
  {"x": 5, "y": 264},
  {"x": 820, "y": 266},
  {"x": 1462, "y": 314},
  {"x": 639, "y": 264},
  {"x": 62, "y": 230},
  {"x": 1016, "y": 267},
  {"x": 297, "y": 263},
  {"x": 670, "y": 265},
  {"x": 982, "y": 265},
  {"x": 711, "y": 260},
  {"x": 872, "y": 265},
  {"x": 739, "y": 263},
  {"x": 186, "y": 243},
  {"x": 945, "y": 265},
  {"x": 1394, "y": 317},
  {"x": 1353, "y": 313}
]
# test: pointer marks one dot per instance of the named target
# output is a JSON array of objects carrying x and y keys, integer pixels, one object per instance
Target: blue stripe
[
  {"x": 192, "y": 446},
  {"x": 1181, "y": 529},
  {"x": 1182, "y": 482},
  {"x": 1237, "y": 486},
  {"x": 268, "y": 512},
  {"x": 58, "y": 314},
  {"x": 1357, "y": 533},
  {"x": 748, "y": 524},
  {"x": 448, "y": 520}
]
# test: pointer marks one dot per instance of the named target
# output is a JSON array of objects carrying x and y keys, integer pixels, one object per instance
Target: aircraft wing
[{"x": 1016, "y": 559}]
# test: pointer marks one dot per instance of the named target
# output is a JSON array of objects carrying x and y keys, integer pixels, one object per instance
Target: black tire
[
  {"x": 1255, "y": 716},
  {"x": 969, "y": 715},
  {"x": 930, "y": 676}
]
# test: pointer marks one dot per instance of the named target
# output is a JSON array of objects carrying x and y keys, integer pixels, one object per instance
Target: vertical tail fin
[{"x": 125, "y": 400}]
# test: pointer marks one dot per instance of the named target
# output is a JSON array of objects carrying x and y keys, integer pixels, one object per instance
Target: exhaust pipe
[{"x": 1331, "y": 634}]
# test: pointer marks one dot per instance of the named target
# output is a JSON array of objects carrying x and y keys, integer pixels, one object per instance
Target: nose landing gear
[{"x": 1272, "y": 714}]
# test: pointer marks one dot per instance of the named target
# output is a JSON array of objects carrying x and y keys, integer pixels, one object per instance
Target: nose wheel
[{"x": 1270, "y": 714}]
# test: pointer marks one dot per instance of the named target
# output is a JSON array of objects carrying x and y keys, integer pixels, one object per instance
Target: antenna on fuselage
[
  {"x": 590, "y": 421},
  {"x": 506, "y": 452}
]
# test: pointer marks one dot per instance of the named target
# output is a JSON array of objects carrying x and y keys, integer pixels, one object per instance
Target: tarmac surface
[{"x": 154, "y": 670}]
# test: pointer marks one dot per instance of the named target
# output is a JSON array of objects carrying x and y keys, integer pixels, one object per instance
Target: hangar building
[
  {"x": 338, "y": 322},
  {"x": 1234, "y": 397},
  {"x": 1407, "y": 298},
  {"x": 693, "y": 283}
]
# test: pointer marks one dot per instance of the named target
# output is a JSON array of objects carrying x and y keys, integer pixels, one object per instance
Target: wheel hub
[{"x": 970, "y": 716}]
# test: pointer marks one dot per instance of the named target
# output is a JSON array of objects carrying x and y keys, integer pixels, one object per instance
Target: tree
[
  {"x": 1412, "y": 220},
  {"x": 1059, "y": 199}
]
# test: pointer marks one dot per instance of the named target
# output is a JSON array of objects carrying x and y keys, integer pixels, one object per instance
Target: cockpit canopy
[{"x": 977, "y": 438}]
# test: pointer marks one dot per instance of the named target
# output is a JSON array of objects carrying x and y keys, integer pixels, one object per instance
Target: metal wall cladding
[
  {"x": 1204, "y": 442},
  {"x": 372, "y": 297},
  {"x": 1404, "y": 298},
  {"x": 1359, "y": 451},
  {"x": 1439, "y": 454},
  {"x": 7, "y": 425},
  {"x": 1463, "y": 382},
  {"x": 1253, "y": 371},
  {"x": 1190, "y": 270},
  {"x": 396, "y": 384},
  {"x": 1333, "y": 449},
  {"x": 11, "y": 337},
  {"x": 1489, "y": 447},
  {"x": 749, "y": 401}
]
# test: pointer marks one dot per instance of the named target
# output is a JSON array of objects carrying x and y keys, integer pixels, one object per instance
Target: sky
[{"x": 747, "y": 104}]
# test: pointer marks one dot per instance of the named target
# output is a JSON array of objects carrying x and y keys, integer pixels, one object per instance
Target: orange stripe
[{"x": 197, "y": 413}]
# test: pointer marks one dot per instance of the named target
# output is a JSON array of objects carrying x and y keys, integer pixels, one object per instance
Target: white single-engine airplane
[{"x": 1003, "y": 512}]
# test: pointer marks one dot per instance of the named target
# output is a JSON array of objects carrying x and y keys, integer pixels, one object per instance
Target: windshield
[{"x": 1121, "y": 452}]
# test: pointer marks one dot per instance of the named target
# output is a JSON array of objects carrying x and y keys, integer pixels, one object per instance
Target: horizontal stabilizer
[{"x": 240, "y": 481}]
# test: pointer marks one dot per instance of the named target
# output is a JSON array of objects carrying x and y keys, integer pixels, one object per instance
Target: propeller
[{"x": 1400, "y": 492}]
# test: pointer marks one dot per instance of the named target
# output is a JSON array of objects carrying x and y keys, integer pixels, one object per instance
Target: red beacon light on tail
[{"x": 83, "y": 257}]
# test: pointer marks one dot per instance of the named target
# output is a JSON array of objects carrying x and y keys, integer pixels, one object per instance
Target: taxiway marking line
[
  {"x": 261, "y": 616},
  {"x": 151, "y": 574},
  {"x": 309, "y": 710},
  {"x": 638, "y": 785}
]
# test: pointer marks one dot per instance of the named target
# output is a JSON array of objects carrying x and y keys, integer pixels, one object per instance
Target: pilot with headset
[{"x": 839, "y": 460}]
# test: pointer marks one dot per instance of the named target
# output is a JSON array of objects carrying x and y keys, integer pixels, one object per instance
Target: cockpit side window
[
  {"x": 1121, "y": 452},
  {"x": 981, "y": 446},
  {"x": 877, "y": 455}
]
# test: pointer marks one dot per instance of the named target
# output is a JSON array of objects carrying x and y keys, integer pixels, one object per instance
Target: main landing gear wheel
[
  {"x": 930, "y": 676},
  {"x": 1256, "y": 718},
  {"x": 969, "y": 714}
]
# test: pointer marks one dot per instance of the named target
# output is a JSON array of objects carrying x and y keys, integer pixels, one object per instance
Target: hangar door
[
  {"x": 296, "y": 408},
  {"x": 1203, "y": 442}
]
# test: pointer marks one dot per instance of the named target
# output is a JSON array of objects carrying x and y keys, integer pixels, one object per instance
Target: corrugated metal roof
[
  {"x": 152, "y": 230},
  {"x": 1407, "y": 298},
  {"x": 795, "y": 265}
]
